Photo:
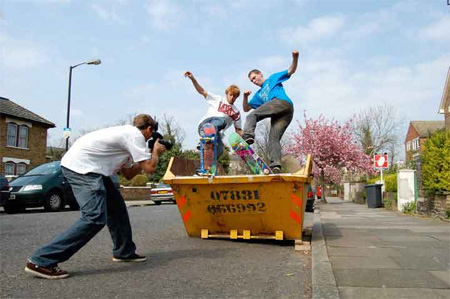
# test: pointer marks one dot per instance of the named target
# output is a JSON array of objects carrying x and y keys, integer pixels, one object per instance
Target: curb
[{"x": 323, "y": 280}]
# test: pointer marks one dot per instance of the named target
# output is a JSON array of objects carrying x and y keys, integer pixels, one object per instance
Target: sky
[{"x": 354, "y": 55}]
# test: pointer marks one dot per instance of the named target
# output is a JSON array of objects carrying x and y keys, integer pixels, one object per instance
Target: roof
[
  {"x": 445, "y": 101},
  {"x": 425, "y": 127},
  {"x": 10, "y": 108}
]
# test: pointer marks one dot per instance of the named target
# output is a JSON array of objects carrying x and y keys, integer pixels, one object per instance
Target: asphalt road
[{"x": 177, "y": 266}]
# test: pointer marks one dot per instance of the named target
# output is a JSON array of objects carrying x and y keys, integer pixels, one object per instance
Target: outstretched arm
[
  {"x": 197, "y": 86},
  {"x": 245, "y": 104},
  {"x": 293, "y": 66}
]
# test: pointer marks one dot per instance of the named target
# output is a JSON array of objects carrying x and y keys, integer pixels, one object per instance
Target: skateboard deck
[
  {"x": 243, "y": 150},
  {"x": 208, "y": 150}
]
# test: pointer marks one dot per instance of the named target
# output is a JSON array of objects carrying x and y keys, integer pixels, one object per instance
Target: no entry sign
[{"x": 381, "y": 161}]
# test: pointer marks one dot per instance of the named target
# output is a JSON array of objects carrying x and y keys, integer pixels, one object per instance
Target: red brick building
[
  {"x": 444, "y": 108},
  {"x": 23, "y": 136},
  {"x": 418, "y": 133}
]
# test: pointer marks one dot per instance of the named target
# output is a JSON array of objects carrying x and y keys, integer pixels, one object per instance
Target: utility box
[
  {"x": 374, "y": 196},
  {"x": 241, "y": 206}
]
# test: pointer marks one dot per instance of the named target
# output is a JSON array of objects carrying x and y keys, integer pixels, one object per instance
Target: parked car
[
  {"x": 310, "y": 199},
  {"x": 4, "y": 189},
  {"x": 162, "y": 192},
  {"x": 43, "y": 186}
]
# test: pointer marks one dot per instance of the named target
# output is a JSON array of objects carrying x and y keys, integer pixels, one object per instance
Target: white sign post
[
  {"x": 66, "y": 132},
  {"x": 381, "y": 162}
]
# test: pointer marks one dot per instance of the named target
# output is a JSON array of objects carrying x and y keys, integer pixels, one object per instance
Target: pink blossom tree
[{"x": 332, "y": 146}]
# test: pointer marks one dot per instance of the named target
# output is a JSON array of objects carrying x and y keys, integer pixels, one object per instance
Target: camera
[{"x": 156, "y": 136}]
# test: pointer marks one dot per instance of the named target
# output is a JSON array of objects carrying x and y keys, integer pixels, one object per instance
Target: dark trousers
[{"x": 281, "y": 114}]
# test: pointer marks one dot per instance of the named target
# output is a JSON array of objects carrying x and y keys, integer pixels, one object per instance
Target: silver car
[{"x": 160, "y": 193}]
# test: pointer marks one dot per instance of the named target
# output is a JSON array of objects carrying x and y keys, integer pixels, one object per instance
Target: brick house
[
  {"x": 418, "y": 133},
  {"x": 444, "y": 108},
  {"x": 23, "y": 136}
]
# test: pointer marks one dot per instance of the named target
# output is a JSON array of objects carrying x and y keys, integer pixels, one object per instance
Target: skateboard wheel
[{"x": 266, "y": 171}]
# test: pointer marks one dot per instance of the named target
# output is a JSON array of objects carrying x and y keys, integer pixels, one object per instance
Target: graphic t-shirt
[
  {"x": 219, "y": 107},
  {"x": 106, "y": 151},
  {"x": 270, "y": 89}
]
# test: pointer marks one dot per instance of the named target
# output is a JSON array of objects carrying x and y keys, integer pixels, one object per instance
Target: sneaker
[
  {"x": 135, "y": 258},
  {"x": 276, "y": 169},
  {"x": 46, "y": 272},
  {"x": 250, "y": 140}
]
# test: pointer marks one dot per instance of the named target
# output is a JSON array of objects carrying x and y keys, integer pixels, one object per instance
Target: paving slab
[
  {"x": 389, "y": 293},
  {"x": 377, "y": 253},
  {"x": 358, "y": 262}
]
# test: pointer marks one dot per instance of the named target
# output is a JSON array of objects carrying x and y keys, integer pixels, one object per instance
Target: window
[
  {"x": 23, "y": 137},
  {"x": 17, "y": 136},
  {"x": 12, "y": 135},
  {"x": 408, "y": 146},
  {"x": 9, "y": 168},
  {"x": 21, "y": 168},
  {"x": 416, "y": 144}
]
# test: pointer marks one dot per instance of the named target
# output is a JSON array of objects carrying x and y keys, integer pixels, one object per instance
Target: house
[
  {"x": 444, "y": 108},
  {"x": 418, "y": 133},
  {"x": 23, "y": 136}
]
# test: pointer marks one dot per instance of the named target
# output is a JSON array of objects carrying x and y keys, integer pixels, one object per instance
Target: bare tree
[
  {"x": 262, "y": 140},
  {"x": 170, "y": 129},
  {"x": 377, "y": 129}
]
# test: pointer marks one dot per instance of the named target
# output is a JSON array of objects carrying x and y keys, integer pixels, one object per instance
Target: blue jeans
[
  {"x": 281, "y": 114},
  {"x": 100, "y": 203},
  {"x": 219, "y": 123}
]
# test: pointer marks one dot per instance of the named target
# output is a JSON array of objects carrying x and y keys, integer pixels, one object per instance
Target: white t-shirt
[
  {"x": 106, "y": 151},
  {"x": 219, "y": 107}
]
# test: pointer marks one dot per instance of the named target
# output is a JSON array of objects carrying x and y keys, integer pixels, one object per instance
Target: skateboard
[
  {"x": 208, "y": 150},
  {"x": 243, "y": 150}
]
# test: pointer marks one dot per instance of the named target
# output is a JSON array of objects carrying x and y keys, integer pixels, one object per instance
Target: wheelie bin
[
  {"x": 374, "y": 197},
  {"x": 241, "y": 206}
]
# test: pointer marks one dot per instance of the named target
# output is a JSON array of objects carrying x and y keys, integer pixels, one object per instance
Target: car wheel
[
  {"x": 11, "y": 209},
  {"x": 54, "y": 202}
]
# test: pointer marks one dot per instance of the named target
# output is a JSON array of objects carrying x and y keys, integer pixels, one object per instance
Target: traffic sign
[
  {"x": 381, "y": 161},
  {"x": 66, "y": 132}
]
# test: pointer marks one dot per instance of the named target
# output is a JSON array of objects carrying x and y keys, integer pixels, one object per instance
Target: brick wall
[
  {"x": 447, "y": 119},
  {"x": 135, "y": 193},
  {"x": 410, "y": 135},
  {"x": 436, "y": 205},
  {"x": 37, "y": 146}
]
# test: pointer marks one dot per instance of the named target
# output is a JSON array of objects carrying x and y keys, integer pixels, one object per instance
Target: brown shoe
[{"x": 46, "y": 272}]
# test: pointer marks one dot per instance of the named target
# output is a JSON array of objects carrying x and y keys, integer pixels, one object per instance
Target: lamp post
[{"x": 91, "y": 62}]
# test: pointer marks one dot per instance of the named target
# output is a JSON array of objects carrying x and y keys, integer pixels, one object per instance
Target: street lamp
[{"x": 91, "y": 62}]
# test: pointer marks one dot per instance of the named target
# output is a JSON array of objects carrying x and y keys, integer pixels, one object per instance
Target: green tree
[
  {"x": 224, "y": 159},
  {"x": 436, "y": 162}
]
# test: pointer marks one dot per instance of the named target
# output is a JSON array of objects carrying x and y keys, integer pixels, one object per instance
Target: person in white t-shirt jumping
[
  {"x": 88, "y": 165},
  {"x": 221, "y": 111}
]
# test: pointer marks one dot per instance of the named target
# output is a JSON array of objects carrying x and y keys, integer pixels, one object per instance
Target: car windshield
[
  {"x": 161, "y": 185},
  {"x": 45, "y": 169}
]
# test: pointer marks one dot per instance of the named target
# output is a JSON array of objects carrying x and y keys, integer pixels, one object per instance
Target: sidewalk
[{"x": 377, "y": 253}]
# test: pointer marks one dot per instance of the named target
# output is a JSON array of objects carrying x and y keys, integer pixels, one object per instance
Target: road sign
[
  {"x": 381, "y": 161},
  {"x": 66, "y": 132}
]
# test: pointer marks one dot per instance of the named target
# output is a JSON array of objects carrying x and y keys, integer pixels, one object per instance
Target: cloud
[
  {"x": 439, "y": 30},
  {"x": 20, "y": 54},
  {"x": 317, "y": 29},
  {"x": 164, "y": 15},
  {"x": 101, "y": 12}
]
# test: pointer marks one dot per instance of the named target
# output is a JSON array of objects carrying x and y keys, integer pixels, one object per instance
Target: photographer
[{"x": 88, "y": 166}]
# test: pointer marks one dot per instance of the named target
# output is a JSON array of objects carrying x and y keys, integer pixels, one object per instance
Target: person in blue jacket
[{"x": 270, "y": 101}]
